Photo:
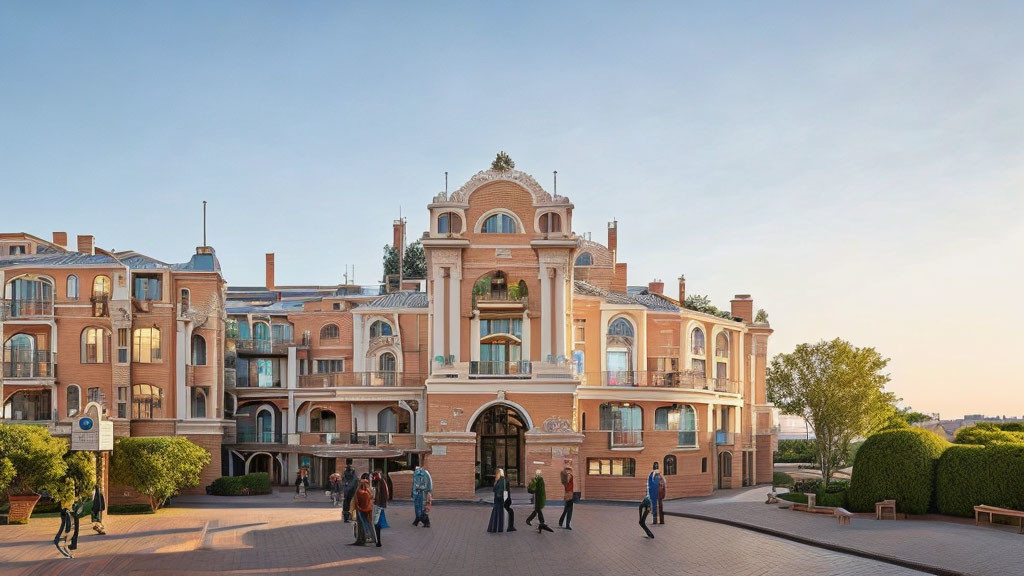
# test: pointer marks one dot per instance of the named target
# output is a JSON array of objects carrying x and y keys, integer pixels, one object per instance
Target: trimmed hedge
[
  {"x": 968, "y": 476},
  {"x": 796, "y": 451},
  {"x": 782, "y": 479},
  {"x": 258, "y": 483},
  {"x": 986, "y": 434},
  {"x": 896, "y": 464}
]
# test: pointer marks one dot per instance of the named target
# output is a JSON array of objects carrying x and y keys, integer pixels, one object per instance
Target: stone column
[
  {"x": 545, "y": 313},
  {"x": 181, "y": 401},
  {"x": 454, "y": 312},
  {"x": 558, "y": 349},
  {"x": 438, "y": 302}
]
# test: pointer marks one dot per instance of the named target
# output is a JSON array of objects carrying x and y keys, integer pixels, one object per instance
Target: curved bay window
[
  {"x": 624, "y": 422},
  {"x": 619, "y": 353},
  {"x": 147, "y": 401},
  {"x": 550, "y": 222},
  {"x": 393, "y": 420},
  {"x": 322, "y": 421},
  {"x": 682, "y": 419},
  {"x": 95, "y": 346},
  {"x": 499, "y": 224}
]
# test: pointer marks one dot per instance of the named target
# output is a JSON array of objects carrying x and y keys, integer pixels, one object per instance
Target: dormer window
[{"x": 499, "y": 224}]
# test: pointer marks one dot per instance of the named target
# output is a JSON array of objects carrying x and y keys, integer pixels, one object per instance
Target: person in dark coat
[
  {"x": 536, "y": 488},
  {"x": 349, "y": 484},
  {"x": 364, "y": 512},
  {"x": 508, "y": 508},
  {"x": 497, "y": 522},
  {"x": 569, "y": 489},
  {"x": 645, "y": 509},
  {"x": 63, "y": 530},
  {"x": 380, "y": 502},
  {"x": 77, "y": 511},
  {"x": 99, "y": 505},
  {"x": 298, "y": 482},
  {"x": 422, "y": 492}
]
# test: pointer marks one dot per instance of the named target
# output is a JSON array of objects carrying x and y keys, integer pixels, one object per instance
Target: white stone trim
[{"x": 483, "y": 407}]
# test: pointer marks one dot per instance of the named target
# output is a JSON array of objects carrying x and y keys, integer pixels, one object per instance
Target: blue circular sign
[{"x": 85, "y": 423}]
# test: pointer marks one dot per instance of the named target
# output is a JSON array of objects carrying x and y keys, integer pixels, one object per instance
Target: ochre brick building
[{"x": 524, "y": 347}]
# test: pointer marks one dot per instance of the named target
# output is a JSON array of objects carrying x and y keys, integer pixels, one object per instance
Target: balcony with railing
[
  {"x": 500, "y": 369},
  {"x": 626, "y": 439},
  {"x": 724, "y": 438},
  {"x": 683, "y": 379},
  {"x": 26, "y": 309},
  {"x": 258, "y": 437},
  {"x": 361, "y": 379},
  {"x": 269, "y": 347},
  {"x": 21, "y": 364}
]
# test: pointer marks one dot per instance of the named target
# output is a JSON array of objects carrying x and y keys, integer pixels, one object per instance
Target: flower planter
[{"x": 21, "y": 507}]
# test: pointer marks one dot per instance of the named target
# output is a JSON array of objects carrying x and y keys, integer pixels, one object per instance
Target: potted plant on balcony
[{"x": 33, "y": 461}]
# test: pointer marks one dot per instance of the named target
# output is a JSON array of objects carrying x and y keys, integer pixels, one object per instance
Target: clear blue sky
[{"x": 859, "y": 172}]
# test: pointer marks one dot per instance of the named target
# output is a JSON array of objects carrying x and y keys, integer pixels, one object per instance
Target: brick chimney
[
  {"x": 398, "y": 229},
  {"x": 682, "y": 288},
  {"x": 86, "y": 244},
  {"x": 743, "y": 307},
  {"x": 60, "y": 239},
  {"x": 656, "y": 287},
  {"x": 613, "y": 238},
  {"x": 270, "y": 271}
]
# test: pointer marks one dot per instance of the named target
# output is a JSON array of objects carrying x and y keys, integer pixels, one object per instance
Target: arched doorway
[
  {"x": 499, "y": 444},
  {"x": 725, "y": 470}
]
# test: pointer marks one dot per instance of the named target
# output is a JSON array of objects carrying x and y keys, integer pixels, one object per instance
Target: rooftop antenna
[
  {"x": 204, "y": 222},
  {"x": 446, "y": 182},
  {"x": 556, "y": 183}
]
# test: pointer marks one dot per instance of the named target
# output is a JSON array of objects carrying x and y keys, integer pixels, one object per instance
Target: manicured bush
[
  {"x": 794, "y": 497},
  {"x": 808, "y": 486},
  {"x": 969, "y": 476},
  {"x": 36, "y": 457},
  {"x": 258, "y": 483},
  {"x": 896, "y": 464},
  {"x": 782, "y": 479},
  {"x": 832, "y": 499},
  {"x": 796, "y": 451},
  {"x": 987, "y": 434},
  {"x": 127, "y": 509},
  {"x": 158, "y": 468}
]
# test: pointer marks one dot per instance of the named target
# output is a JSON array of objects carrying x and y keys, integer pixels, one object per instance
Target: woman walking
[
  {"x": 569, "y": 492},
  {"x": 497, "y": 523},
  {"x": 380, "y": 502},
  {"x": 364, "y": 512}
]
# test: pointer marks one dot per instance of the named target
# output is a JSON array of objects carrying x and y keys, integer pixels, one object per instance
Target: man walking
[
  {"x": 349, "y": 483},
  {"x": 536, "y": 488},
  {"x": 422, "y": 493},
  {"x": 645, "y": 509},
  {"x": 98, "y": 506},
  {"x": 568, "y": 494}
]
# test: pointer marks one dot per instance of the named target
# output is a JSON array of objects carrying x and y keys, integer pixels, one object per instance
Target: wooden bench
[
  {"x": 881, "y": 507},
  {"x": 843, "y": 515},
  {"x": 995, "y": 510}
]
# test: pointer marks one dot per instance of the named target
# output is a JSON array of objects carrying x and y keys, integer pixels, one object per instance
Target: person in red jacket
[
  {"x": 364, "y": 512},
  {"x": 569, "y": 493}
]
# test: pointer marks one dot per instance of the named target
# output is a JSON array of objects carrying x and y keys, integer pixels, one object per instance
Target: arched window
[
  {"x": 380, "y": 328},
  {"x": 449, "y": 223},
  {"x": 264, "y": 425},
  {"x": 322, "y": 421},
  {"x": 550, "y": 222},
  {"x": 670, "y": 465},
  {"x": 393, "y": 420},
  {"x": 74, "y": 395},
  {"x": 198, "y": 403},
  {"x": 146, "y": 401},
  {"x": 697, "y": 342},
  {"x": 625, "y": 423},
  {"x": 725, "y": 464},
  {"x": 585, "y": 259},
  {"x": 722, "y": 345},
  {"x": 330, "y": 332},
  {"x": 101, "y": 288},
  {"x": 619, "y": 353},
  {"x": 499, "y": 224},
  {"x": 20, "y": 357},
  {"x": 146, "y": 345},
  {"x": 198, "y": 350},
  {"x": 73, "y": 287},
  {"x": 29, "y": 405},
  {"x": 682, "y": 419},
  {"x": 95, "y": 346}
]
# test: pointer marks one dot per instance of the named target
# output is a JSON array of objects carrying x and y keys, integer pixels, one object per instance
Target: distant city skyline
[{"x": 858, "y": 171}]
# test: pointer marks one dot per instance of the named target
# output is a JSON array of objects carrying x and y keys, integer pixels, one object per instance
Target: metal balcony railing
[
  {"x": 359, "y": 379},
  {"x": 626, "y": 439},
  {"x": 26, "y": 308},
  {"x": 251, "y": 346},
  {"x": 684, "y": 379},
  {"x": 688, "y": 438},
  {"x": 258, "y": 437},
  {"x": 497, "y": 369},
  {"x": 19, "y": 363},
  {"x": 725, "y": 438}
]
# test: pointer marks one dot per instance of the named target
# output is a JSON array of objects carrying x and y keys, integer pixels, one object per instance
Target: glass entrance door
[{"x": 499, "y": 439}]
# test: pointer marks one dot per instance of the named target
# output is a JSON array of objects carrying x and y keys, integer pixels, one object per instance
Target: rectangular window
[
  {"x": 281, "y": 333},
  {"x": 698, "y": 366},
  {"x": 326, "y": 366},
  {"x": 266, "y": 373},
  {"x": 703, "y": 465},
  {"x": 581, "y": 331},
  {"x": 122, "y": 345},
  {"x": 147, "y": 288},
  {"x": 721, "y": 370},
  {"x": 16, "y": 250},
  {"x": 611, "y": 467},
  {"x": 625, "y": 422},
  {"x": 146, "y": 345},
  {"x": 122, "y": 401}
]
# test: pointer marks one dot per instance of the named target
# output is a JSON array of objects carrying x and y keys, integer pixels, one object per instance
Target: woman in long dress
[{"x": 497, "y": 523}]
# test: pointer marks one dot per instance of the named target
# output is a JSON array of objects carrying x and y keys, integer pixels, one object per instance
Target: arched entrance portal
[{"x": 499, "y": 444}]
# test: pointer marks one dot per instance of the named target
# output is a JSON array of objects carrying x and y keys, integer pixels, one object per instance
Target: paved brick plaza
[{"x": 273, "y": 535}]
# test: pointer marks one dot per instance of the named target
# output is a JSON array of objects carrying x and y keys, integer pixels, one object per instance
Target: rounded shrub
[
  {"x": 969, "y": 476},
  {"x": 257, "y": 483},
  {"x": 899, "y": 465}
]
